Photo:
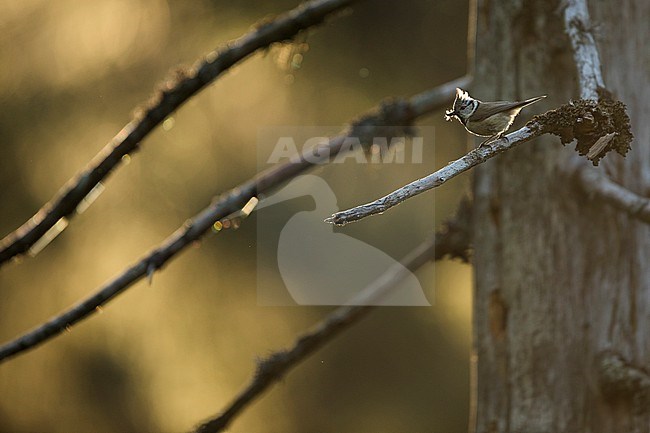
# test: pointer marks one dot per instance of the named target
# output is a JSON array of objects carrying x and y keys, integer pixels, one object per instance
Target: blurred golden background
[{"x": 161, "y": 358}]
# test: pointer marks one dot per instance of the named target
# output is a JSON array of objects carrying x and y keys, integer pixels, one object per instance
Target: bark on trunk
[{"x": 562, "y": 301}]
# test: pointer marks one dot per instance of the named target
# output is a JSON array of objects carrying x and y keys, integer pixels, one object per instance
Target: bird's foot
[
  {"x": 493, "y": 139},
  {"x": 486, "y": 142}
]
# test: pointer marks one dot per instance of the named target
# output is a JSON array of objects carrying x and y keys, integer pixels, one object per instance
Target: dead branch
[
  {"x": 595, "y": 183},
  {"x": 389, "y": 114},
  {"x": 599, "y": 186},
  {"x": 453, "y": 240},
  {"x": 170, "y": 95},
  {"x": 471, "y": 159}
]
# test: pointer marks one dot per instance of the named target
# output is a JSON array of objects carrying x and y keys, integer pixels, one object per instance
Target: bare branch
[
  {"x": 585, "y": 52},
  {"x": 453, "y": 240},
  {"x": 576, "y": 17},
  {"x": 171, "y": 95},
  {"x": 395, "y": 112},
  {"x": 600, "y": 186},
  {"x": 453, "y": 169},
  {"x": 587, "y": 58},
  {"x": 592, "y": 86}
]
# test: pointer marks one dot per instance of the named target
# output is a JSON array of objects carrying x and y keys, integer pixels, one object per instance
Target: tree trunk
[{"x": 562, "y": 301}]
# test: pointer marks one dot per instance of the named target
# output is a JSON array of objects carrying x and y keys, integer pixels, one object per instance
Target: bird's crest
[{"x": 461, "y": 96}]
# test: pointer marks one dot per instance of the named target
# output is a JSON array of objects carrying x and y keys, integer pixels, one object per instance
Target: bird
[{"x": 486, "y": 119}]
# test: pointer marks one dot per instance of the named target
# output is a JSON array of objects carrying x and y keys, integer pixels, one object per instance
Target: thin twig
[
  {"x": 169, "y": 97},
  {"x": 453, "y": 240},
  {"x": 453, "y": 169},
  {"x": 395, "y": 112}
]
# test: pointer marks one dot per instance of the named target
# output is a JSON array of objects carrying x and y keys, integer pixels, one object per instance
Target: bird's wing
[{"x": 486, "y": 110}]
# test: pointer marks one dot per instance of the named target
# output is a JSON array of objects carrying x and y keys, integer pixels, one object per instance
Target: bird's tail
[{"x": 532, "y": 100}]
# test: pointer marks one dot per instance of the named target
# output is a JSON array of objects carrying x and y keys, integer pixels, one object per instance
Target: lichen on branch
[{"x": 587, "y": 121}]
